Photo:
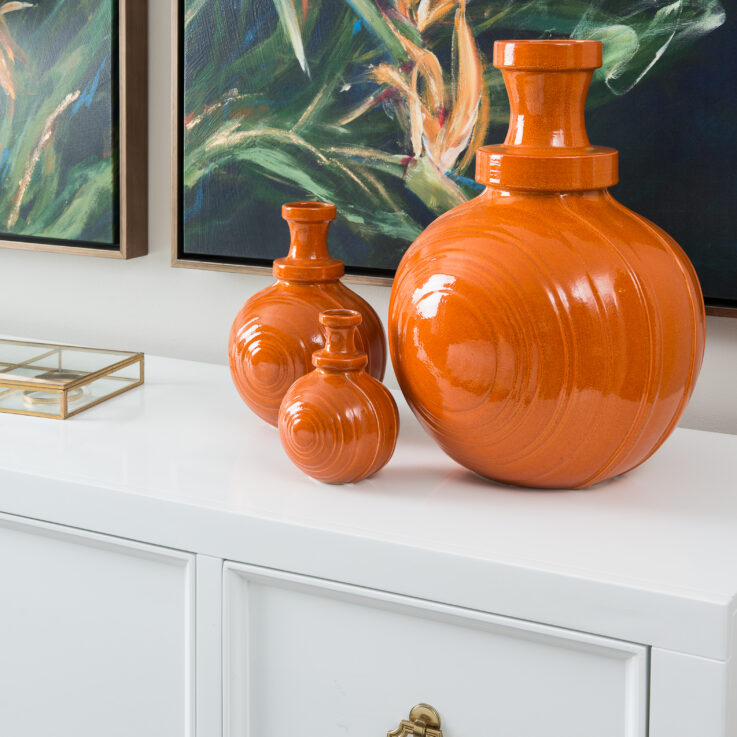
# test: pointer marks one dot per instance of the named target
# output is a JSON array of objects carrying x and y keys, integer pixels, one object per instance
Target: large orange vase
[
  {"x": 544, "y": 334},
  {"x": 276, "y": 332}
]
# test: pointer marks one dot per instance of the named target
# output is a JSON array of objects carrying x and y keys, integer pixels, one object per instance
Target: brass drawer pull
[{"x": 424, "y": 721}]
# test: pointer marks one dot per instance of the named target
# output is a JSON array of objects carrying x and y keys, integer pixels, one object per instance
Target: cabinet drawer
[
  {"x": 320, "y": 659},
  {"x": 95, "y": 635}
]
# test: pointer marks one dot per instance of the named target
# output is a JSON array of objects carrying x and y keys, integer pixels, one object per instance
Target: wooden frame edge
[
  {"x": 53, "y": 248},
  {"x": 176, "y": 18},
  {"x": 384, "y": 281},
  {"x": 133, "y": 30},
  {"x": 132, "y": 143},
  {"x": 716, "y": 311},
  {"x": 201, "y": 263}
]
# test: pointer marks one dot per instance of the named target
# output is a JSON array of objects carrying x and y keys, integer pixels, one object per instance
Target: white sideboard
[{"x": 165, "y": 572}]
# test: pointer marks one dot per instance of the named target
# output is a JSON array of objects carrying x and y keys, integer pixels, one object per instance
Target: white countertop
[{"x": 650, "y": 557}]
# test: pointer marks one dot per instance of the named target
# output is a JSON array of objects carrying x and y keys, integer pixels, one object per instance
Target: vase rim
[
  {"x": 340, "y": 318},
  {"x": 554, "y": 55},
  {"x": 340, "y": 352},
  {"x": 309, "y": 211}
]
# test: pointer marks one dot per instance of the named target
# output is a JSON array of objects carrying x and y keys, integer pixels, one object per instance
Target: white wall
[
  {"x": 714, "y": 402},
  {"x": 146, "y": 305}
]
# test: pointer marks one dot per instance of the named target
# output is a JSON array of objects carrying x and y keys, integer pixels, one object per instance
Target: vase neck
[
  {"x": 547, "y": 148},
  {"x": 308, "y": 259},
  {"x": 547, "y": 108},
  {"x": 340, "y": 352}
]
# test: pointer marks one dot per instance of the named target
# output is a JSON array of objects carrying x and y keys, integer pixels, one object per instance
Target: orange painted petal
[
  {"x": 390, "y": 75},
  {"x": 409, "y": 48},
  {"x": 404, "y": 7},
  {"x": 467, "y": 94},
  {"x": 387, "y": 74},
  {"x": 431, "y": 125},
  {"x": 427, "y": 64},
  {"x": 430, "y": 12},
  {"x": 6, "y": 79},
  {"x": 416, "y": 124},
  {"x": 481, "y": 129},
  {"x": 7, "y": 44}
]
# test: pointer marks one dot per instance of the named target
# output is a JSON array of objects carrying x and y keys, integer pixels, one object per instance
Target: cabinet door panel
[
  {"x": 95, "y": 635},
  {"x": 321, "y": 659}
]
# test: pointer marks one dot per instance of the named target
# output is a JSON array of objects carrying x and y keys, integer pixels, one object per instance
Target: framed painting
[
  {"x": 73, "y": 126},
  {"x": 379, "y": 105}
]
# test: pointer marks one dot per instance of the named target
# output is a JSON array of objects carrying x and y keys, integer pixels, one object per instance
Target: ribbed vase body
[
  {"x": 277, "y": 330},
  {"x": 338, "y": 424},
  {"x": 546, "y": 338}
]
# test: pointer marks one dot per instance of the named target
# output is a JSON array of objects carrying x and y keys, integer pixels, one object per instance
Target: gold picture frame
[{"x": 132, "y": 135}]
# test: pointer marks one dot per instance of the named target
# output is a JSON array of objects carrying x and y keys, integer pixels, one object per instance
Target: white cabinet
[
  {"x": 341, "y": 660},
  {"x": 95, "y": 635},
  {"x": 221, "y": 593}
]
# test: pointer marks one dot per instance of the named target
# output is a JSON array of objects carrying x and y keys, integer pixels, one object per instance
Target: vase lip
[
  {"x": 340, "y": 352},
  {"x": 553, "y": 55},
  {"x": 309, "y": 212},
  {"x": 340, "y": 318}
]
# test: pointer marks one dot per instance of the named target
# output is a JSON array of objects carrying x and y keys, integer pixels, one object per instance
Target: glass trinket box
[{"x": 58, "y": 381}]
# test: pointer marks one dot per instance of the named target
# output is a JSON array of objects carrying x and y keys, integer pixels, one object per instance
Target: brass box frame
[{"x": 50, "y": 353}]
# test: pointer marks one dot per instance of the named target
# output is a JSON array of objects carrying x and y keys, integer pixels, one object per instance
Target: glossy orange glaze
[
  {"x": 277, "y": 330},
  {"x": 338, "y": 424},
  {"x": 545, "y": 335}
]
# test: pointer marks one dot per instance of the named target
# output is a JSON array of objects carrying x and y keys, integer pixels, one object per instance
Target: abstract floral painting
[
  {"x": 58, "y": 122},
  {"x": 379, "y": 106}
]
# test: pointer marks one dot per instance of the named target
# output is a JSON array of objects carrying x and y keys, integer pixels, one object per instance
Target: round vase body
[
  {"x": 544, "y": 334},
  {"x": 338, "y": 424},
  {"x": 277, "y": 330}
]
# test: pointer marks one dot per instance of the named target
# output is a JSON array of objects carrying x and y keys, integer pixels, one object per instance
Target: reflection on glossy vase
[
  {"x": 338, "y": 424},
  {"x": 277, "y": 330},
  {"x": 544, "y": 334}
]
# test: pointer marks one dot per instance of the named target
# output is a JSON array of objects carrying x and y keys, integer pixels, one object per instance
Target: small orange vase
[
  {"x": 277, "y": 330},
  {"x": 544, "y": 334},
  {"x": 338, "y": 424}
]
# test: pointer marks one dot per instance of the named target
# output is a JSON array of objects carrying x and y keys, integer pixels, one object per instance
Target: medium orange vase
[
  {"x": 338, "y": 424},
  {"x": 277, "y": 330},
  {"x": 544, "y": 334}
]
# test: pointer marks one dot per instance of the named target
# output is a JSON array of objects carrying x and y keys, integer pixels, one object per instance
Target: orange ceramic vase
[
  {"x": 544, "y": 334},
  {"x": 275, "y": 333},
  {"x": 338, "y": 424}
]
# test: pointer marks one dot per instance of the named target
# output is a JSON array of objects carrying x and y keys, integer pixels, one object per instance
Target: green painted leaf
[{"x": 288, "y": 16}]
